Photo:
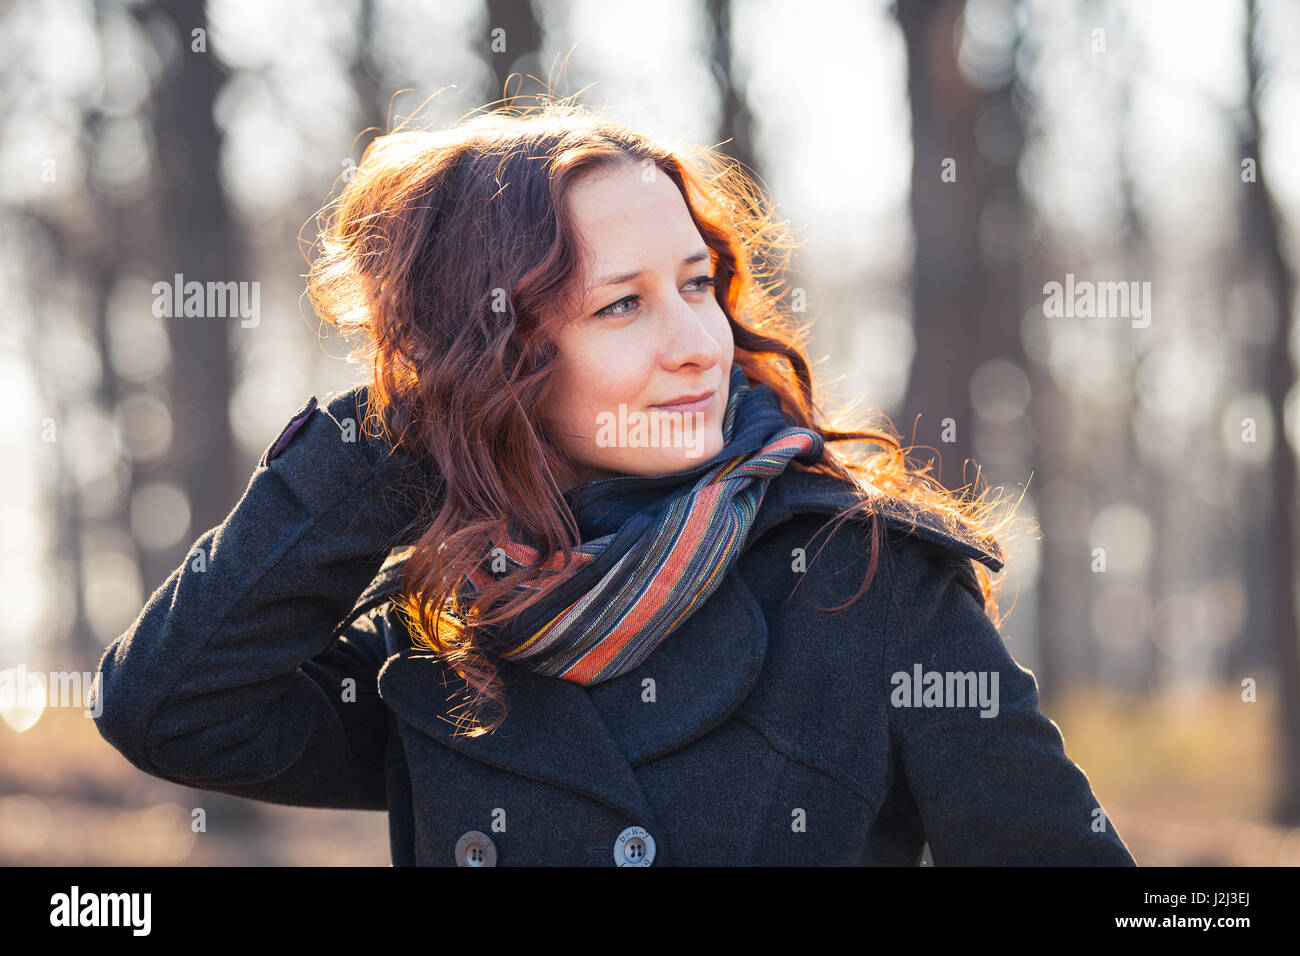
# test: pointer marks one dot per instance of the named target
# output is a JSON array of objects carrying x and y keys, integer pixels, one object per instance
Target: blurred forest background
[{"x": 942, "y": 162}]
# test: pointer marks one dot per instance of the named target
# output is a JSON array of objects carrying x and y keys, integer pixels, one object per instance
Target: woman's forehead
[{"x": 625, "y": 220}]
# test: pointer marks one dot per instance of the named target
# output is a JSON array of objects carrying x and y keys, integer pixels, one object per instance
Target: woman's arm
[
  {"x": 990, "y": 790},
  {"x": 230, "y": 678}
]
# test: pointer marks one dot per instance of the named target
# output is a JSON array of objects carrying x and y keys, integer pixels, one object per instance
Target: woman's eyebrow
[{"x": 629, "y": 276}]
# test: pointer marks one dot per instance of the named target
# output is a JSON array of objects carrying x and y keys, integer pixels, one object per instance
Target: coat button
[
  {"x": 634, "y": 847},
  {"x": 475, "y": 848}
]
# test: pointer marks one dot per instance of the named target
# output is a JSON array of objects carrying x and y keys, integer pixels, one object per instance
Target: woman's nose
[{"x": 686, "y": 339}]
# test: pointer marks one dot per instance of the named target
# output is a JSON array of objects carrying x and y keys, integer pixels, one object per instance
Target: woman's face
[{"x": 649, "y": 333}]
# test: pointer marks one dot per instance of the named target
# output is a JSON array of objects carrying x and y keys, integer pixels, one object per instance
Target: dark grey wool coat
[{"x": 269, "y": 665}]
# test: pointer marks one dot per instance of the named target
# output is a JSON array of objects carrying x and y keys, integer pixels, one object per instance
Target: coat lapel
[
  {"x": 693, "y": 680},
  {"x": 552, "y": 731}
]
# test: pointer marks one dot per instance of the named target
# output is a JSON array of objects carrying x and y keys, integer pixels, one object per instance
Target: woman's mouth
[{"x": 697, "y": 405}]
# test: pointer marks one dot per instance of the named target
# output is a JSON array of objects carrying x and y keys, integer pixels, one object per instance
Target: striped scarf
[{"x": 653, "y": 548}]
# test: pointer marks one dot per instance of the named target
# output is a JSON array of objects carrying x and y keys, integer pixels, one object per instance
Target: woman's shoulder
[{"x": 804, "y": 492}]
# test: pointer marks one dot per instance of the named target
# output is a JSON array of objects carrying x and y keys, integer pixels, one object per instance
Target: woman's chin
[{"x": 669, "y": 461}]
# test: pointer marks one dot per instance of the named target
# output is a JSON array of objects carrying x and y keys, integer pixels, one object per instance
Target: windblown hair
[{"x": 451, "y": 252}]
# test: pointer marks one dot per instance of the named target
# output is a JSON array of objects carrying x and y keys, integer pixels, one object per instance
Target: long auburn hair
[{"x": 449, "y": 252}]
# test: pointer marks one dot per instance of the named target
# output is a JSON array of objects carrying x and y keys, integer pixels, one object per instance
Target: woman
[{"x": 542, "y": 590}]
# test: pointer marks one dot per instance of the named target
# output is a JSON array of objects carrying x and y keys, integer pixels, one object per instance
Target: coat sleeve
[
  {"x": 231, "y": 677},
  {"x": 989, "y": 790}
]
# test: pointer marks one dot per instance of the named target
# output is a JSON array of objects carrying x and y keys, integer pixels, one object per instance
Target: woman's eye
[
  {"x": 702, "y": 282},
  {"x": 614, "y": 308}
]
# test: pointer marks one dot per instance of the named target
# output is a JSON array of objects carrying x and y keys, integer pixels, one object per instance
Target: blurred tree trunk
[
  {"x": 365, "y": 73},
  {"x": 1263, "y": 243},
  {"x": 195, "y": 238},
  {"x": 945, "y": 220},
  {"x": 970, "y": 247},
  {"x": 737, "y": 121},
  {"x": 522, "y": 34},
  {"x": 965, "y": 281}
]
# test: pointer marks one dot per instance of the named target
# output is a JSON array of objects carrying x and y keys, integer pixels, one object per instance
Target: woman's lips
[{"x": 699, "y": 405}]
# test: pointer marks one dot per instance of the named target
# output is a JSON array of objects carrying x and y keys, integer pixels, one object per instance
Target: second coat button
[
  {"x": 475, "y": 848},
  {"x": 634, "y": 847}
]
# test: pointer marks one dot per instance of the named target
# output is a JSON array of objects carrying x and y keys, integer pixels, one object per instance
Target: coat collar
[
  {"x": 590, "y": 740},
  {"x": 813, "y": 492}
]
